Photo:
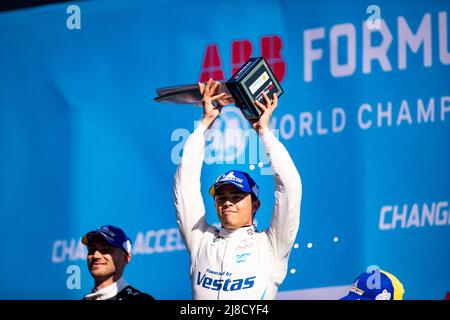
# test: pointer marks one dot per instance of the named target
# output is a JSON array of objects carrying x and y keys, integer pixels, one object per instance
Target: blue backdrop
[{"x": 365, "y": 116}]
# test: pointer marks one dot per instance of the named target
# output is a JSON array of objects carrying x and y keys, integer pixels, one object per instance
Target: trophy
[{"x": 247, "y": 85}]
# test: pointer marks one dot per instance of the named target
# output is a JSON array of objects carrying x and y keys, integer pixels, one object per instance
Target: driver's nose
[{"x": 227, "y": 204}]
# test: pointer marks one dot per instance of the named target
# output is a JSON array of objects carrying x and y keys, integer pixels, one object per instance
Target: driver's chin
[
  {"x": 231, "y": 224},
  {"x": 226, "y": 223},
  {"x": 100, "y": 272}
]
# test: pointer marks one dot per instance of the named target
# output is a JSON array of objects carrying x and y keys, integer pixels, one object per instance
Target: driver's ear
[{"x": 255, "y": 206}]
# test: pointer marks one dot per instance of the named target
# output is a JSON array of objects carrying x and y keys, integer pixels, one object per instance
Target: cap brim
[
  {"x": 215, "y": 186},
  {"x": 90, "y": 234}
]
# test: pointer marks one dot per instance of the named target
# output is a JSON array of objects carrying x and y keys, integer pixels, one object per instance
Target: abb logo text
[{"x": 241, "y": 51}]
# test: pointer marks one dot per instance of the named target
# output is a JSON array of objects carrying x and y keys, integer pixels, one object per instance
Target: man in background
[{"x": 109, "y": 252}]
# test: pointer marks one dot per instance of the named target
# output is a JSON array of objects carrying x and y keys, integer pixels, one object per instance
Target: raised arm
[
  {"x": 288, "y": 194},
  {"x": 189, "y": 206},
  {"x": 288, "y": 188}
]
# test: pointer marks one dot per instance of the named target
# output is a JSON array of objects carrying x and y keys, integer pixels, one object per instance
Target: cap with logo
[
  {"x": 376, "y": 285},
  {"x": 115, "y": 236},
  {"x": 239, "y": 179}
]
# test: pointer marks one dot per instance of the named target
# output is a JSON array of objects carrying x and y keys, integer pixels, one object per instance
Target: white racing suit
[{"x": 244, "y": 264}]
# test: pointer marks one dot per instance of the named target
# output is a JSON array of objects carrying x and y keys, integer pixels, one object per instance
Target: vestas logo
[
  {"x": 224, "y": 284},
  {"x": 241, "y": 51},
  {"x": 242, "y": 257}
]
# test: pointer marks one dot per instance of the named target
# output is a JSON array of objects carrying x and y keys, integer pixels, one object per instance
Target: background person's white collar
[{"x": 108, "y": 292}]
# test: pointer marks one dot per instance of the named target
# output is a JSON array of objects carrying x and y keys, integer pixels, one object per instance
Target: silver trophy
[
  {"x": 253, "y": 79},
  {"x": 189, "y": 94}
]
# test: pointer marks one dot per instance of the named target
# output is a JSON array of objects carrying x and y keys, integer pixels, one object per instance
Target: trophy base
[{"x": 249, "y": 83}]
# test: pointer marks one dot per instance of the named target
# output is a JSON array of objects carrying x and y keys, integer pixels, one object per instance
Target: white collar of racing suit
[{"x": 225, "y": 233}]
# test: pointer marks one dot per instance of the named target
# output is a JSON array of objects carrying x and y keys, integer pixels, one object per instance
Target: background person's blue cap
[
  {"x": 239, "y": 179},
  {"x": 114, "y": 235},
  {"x": 376, "y": 285}
]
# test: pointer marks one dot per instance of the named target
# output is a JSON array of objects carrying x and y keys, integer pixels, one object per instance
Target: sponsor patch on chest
[{"x": 242, "y": 257}]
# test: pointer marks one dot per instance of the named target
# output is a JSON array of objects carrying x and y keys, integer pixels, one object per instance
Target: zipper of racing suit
[{"x": 227, "y": 240}]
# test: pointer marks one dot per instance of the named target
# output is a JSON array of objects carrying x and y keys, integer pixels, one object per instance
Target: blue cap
[
  {"x": 113, "y": 235},
  {"x": 239, "y": 179},
  {"x": 377, "y": 285}
]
